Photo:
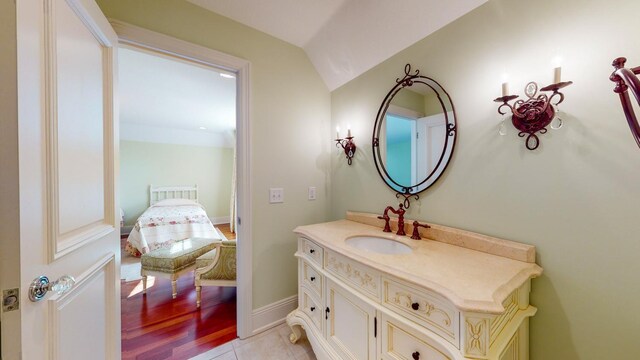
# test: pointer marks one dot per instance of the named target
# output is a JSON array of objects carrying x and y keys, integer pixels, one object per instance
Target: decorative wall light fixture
[
  {"x": 347, "y": 144},
  {"x": 533, "y": 115}
]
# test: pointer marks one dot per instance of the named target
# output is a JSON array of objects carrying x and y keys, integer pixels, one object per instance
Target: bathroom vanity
[{"x": 366, "y": 294}]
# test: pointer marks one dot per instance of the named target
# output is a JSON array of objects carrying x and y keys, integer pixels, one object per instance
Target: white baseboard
[
  {"x": 219, "y": 220},
  {"x": 273, "y": 314}
]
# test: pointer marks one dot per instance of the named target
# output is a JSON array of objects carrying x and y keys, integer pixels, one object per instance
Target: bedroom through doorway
[{"x": 178, "y": 196}]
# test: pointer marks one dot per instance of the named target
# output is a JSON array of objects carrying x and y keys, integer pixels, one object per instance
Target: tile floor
[{"x": 272, "y": 344}]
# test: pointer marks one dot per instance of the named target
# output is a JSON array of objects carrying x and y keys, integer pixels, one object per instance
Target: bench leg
[
  {"x": 174, "y": 288},
  {"x": 198, "y": 295},
  {"x": 144, "y": 284}
]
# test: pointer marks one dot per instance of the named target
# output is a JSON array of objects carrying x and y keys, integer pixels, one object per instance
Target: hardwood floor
[
  {"x": 226, "y": 230},
  {"x": 158, "y": 327}
]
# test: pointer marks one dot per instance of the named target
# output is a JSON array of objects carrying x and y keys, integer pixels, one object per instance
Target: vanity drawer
[
  {"x": 312, "y": 250},
  {"x": 311, "y": 278},
  {"x": 426, "y": 309},
  {"x": 358, "y": 276},
  {"x": 400, "y": 342},
  {"x": 311, "y": 306}
]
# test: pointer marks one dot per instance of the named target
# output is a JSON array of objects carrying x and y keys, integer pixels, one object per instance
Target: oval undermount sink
[{"x": 378, "y": 245}]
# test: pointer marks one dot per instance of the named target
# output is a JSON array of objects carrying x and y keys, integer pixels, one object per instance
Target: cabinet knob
[
  {"x": 312, "y": 251},
  {"x": 415, "y": 306},
  {"x": 313, "y": 278},
  {"x": 416, "y": 355},
  {"x": 312, "y": 308}
]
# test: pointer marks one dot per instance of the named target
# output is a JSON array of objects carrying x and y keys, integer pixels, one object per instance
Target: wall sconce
[
  {"x": 537, "y": 112},
  {"x": 347, "y": 144}
]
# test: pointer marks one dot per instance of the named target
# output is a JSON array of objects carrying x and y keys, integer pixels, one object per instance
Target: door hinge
[
  {"x": 239, "y": 221},
  {"x": 375, "y": 327}
]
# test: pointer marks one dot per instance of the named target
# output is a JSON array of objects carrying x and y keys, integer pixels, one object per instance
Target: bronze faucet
[
  {"x": 386, "y": 218},
  {"x": 416, "y": 233},
  {"x": 400, "y": 212}
]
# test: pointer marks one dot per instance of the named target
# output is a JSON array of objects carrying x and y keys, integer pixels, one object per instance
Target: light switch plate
[
  {"x": 276, "y": 195},
  {"x": 312, "y": 192}
]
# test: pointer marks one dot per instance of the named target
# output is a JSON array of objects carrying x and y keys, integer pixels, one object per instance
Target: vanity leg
[
  {"x": 296, "y": 330},
  {"x": 296, "y": 333}
]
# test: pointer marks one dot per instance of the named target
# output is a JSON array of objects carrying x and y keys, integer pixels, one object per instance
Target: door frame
[{"x": 150, "y": 40}]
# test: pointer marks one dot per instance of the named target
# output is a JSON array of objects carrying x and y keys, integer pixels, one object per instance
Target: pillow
[{"x": 175, "y": 202}]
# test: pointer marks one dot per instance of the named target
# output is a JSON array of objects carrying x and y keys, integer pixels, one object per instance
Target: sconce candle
[
  {"x": 557, "y": 75},
  {"x": 505, "y": 89},
  {"x": 337, "y": 132}
]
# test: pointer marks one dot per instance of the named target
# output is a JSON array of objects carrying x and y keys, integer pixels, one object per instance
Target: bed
[{"x": 174, "y": 214}]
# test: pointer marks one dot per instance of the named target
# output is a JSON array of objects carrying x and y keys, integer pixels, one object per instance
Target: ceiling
[
  {"x": 344, "y": 38},
  {"x": 164, "y": 92}
]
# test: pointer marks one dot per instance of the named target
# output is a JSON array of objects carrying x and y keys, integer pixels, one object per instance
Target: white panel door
[
  {"x": 67, "y": 164},
  {"x": 350, "y": 324}
]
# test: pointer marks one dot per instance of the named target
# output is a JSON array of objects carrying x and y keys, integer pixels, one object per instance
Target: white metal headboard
[{"x": 160, "y": 193}]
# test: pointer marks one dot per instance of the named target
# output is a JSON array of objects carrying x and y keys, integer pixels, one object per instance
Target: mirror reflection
[{"x": 414, "y": 135}]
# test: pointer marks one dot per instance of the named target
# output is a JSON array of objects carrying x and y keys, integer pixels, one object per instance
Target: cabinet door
[{"x": 350, "y": 324}]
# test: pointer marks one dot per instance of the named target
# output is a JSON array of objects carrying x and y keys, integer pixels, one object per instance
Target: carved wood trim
[
  {"x": 511, "y": 308},
  {"x": 428, "y": 309},
  {"x": 360, "y": 278},
  {"x": 477, "y": 337}
]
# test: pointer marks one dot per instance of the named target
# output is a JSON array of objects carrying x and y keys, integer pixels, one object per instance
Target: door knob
[{"x": 41, "y": 285}]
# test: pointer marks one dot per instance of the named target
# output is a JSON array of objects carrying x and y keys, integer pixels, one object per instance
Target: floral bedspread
[{"x": 161, "y": 226}]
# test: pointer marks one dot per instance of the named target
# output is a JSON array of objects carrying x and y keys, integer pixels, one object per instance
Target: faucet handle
[
  {"x": 416, "y": 233},
  {"x": 386, "y": 218}
]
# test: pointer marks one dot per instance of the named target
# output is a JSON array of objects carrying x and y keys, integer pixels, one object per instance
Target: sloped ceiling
[{"x": 344, "y": 38}]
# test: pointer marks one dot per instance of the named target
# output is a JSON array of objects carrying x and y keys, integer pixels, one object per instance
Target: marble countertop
[{"x": 471, "y": 280}]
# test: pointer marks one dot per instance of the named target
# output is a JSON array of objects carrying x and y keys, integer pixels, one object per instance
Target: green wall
[
  {"x": 143, "y": 163},
  {"x": 576, "y": 198},
  {"x": 409, "y": 100},
  {"x": 290, "y": 140}
]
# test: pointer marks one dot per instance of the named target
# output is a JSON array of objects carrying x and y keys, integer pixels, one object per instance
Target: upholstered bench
[
  {"x": 217, "y": 267},
  {"x": 171, "y": 262}
]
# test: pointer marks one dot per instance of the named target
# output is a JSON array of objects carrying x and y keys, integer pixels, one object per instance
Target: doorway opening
[{"x": 178, "y": 201}]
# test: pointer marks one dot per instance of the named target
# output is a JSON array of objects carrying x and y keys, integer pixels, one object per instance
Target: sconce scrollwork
[{"x": 624, "y": 79}]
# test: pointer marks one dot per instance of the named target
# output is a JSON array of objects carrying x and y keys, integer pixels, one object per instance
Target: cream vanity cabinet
[{"x": 352, "y": 310}]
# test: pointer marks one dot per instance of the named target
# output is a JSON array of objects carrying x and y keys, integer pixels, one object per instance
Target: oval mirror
[{"x": 414, "y": 134}]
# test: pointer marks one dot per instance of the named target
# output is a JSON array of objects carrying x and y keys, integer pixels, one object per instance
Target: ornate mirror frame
[{"x": 410, "y": 78}]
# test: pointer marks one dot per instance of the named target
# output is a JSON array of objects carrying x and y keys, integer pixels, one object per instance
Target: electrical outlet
[
  {"x": 276, "y": 195},
  {"x": 312, "y": 192}
]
